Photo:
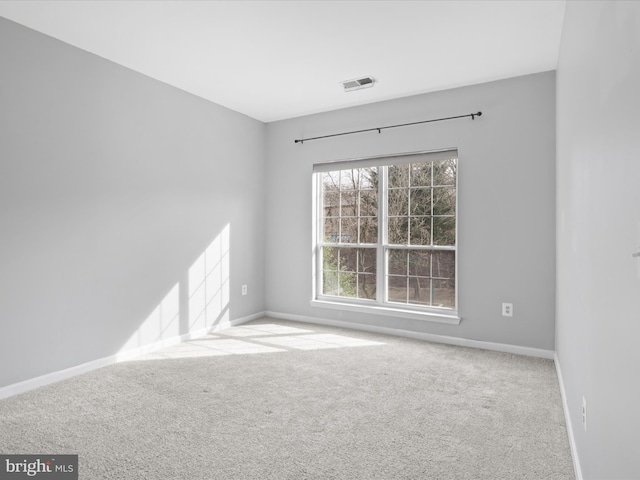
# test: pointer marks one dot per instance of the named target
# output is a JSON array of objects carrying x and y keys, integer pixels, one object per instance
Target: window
[{"x": 386, "y": 232}]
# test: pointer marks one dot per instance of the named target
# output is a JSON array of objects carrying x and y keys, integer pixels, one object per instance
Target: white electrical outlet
[
  {"x": 244, "y": 289},
  {"x": 507, "y": 309},
  {"x": 584, "y": 413}
]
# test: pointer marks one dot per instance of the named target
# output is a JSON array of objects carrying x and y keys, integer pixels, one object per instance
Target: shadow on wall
[{"x": 193, "y": 306}]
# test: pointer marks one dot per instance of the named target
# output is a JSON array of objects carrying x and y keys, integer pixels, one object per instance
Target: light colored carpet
[{"x": 284, "y": 400}]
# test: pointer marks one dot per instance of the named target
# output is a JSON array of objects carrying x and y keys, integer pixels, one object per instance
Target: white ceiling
[{"x": 273, "y": 60}]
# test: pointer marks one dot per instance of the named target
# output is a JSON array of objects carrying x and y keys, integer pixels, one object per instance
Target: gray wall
[
  {"x": 506, "y": 202},
  {"x": 598, "y": 215},
  {"x": 112, "y": 185}
]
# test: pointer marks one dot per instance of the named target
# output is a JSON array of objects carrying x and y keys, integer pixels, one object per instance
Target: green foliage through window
[{"x": 417, "y": 211}]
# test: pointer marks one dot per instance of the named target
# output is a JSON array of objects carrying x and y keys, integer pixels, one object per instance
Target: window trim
[
  {"x": 377, "y": 309},
  {"x": 380, "y": 306}
]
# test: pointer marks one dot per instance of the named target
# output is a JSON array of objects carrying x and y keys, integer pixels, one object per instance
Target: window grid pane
[
  {"x": 349, "y": 272},
  {"x": 422, "y": 204},
  {"x": 350, "y": 206},
  {"x": 421, "y": 277}
]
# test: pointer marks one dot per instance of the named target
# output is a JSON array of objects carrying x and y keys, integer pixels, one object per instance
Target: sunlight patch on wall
[
  {"x": 209, "y": 284},
  {"x": 162, "y": 322},
  {"x": 199, "y": 301}
]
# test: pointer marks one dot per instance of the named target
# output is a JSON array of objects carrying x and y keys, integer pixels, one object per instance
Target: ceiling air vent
[{"x": 357, "y": 84}]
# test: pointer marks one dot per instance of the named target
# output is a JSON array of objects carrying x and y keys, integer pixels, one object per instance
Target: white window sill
[{"x": 430, "y": 316}]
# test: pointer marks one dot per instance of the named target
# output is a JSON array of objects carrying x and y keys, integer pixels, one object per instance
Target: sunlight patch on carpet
[
  {"x": 242, "y": 342},
  {"x": 209, "y": 348},
  {"x": 260, "y": 330},
  {"x": 318, "y": 341}
]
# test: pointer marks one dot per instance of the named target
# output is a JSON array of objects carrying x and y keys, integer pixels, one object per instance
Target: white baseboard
[
  {"x": 30, "y": 384},
  {"x": 463, "y": 342},
  {"x": 567, "y": 420}
]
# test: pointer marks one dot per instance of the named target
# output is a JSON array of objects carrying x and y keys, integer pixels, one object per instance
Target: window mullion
[
  {"x": 340, "y": 205},
  {"x": 319, "y": 233},
  {"x": 381, "y": 258},
  {"x": 432, "y": 198},
  {"x": 433, "y": 177}
]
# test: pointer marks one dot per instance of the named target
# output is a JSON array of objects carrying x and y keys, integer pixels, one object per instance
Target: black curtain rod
[{"x": 379, "y": 129}]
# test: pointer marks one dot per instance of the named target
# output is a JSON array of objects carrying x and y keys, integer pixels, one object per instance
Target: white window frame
[{"x": 380, "y": 305}]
